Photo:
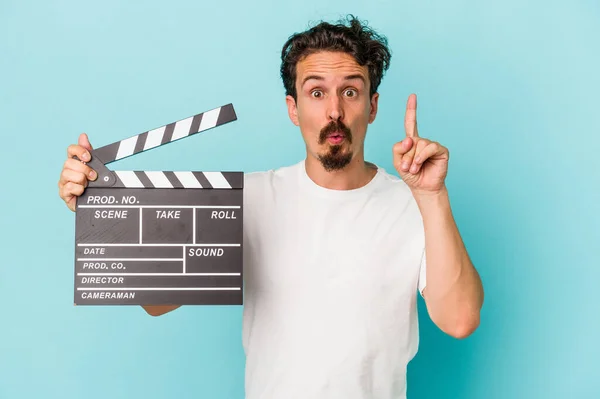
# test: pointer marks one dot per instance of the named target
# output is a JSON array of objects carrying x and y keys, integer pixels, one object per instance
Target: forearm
[
  {"x": 454, "y": 293},
  {"x": 158, "y": 310}
]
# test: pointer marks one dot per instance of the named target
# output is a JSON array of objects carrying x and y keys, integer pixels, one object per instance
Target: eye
[
  {"x": 317, "y": 93},
  {"x": 350, "y": 93}
]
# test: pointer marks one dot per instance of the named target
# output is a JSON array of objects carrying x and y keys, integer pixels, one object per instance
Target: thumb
[
  {"x": 404, "y": 146},
  {"x": 84, "y": 142}
]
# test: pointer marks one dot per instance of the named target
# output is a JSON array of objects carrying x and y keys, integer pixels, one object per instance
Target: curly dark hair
[{"x": 359, "y": 40}]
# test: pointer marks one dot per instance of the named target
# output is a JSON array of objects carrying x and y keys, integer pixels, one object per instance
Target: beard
[{"x": 335, "y": 158}]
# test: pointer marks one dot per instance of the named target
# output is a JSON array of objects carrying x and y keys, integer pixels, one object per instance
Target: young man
[{"x": 335, "y": 248}]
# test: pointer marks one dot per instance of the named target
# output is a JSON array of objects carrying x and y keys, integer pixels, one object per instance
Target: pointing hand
[{"x": 422, "y": 164}]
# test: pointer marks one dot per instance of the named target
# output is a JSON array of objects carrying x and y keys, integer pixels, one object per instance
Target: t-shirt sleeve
[{"x": 422, "y": 273}]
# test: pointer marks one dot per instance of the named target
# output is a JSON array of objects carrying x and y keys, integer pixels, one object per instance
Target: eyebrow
[
  {"x": 355, "y": 76},
  {"x": 317, "y": 77}
]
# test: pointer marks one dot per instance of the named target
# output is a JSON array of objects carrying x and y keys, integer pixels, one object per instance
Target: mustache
[{"x": 332, "y": 127}]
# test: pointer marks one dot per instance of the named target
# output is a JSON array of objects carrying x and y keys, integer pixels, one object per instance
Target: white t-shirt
[{"x": 331, "y": 280}]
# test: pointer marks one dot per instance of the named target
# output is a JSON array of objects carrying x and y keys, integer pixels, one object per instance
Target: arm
[
  {"x": 158, "y": 310},
  {"x": 454, "y": 292}
]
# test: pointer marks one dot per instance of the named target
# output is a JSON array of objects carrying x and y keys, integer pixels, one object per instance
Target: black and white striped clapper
[{"x": 156, "y": 237}]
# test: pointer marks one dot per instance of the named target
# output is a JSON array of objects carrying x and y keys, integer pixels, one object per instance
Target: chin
[{"x": 335, "y": 158}]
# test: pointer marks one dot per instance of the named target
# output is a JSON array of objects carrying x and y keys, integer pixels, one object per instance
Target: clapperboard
[{"x": 156, "y": 237}]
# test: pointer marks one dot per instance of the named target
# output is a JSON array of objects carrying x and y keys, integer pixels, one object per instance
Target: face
[{"x": 333, "y": 107}]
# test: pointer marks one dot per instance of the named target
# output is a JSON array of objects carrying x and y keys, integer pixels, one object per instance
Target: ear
[
  {"x": 374, "y": 104},
  {"x": 292, "y": 109}
]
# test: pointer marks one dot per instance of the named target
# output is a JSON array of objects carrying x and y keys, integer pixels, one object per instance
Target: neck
[{"x": 355, "y": 175}]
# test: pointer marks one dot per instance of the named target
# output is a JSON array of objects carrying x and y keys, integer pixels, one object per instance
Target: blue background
[{"x": 510, "y": 87}]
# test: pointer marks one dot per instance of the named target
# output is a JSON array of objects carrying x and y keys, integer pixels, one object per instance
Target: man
[{"x": 335, "y": 248}]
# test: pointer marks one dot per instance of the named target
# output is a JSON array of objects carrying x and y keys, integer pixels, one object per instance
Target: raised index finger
[{"x": 410, "y": 117}]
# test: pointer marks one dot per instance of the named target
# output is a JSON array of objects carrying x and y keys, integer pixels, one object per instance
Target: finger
[
  {"x": 78, "y": 166},
  {"x": 424, "y": 154},
  {"x": 402, "y": 147},
  {"x": 84, "y": 142},
  {"x": 75, "y": 150},
  {"x": 402, "y": 152},
  {"x": 410, "y": 117},
  {"x": 69, "y": 175},
  {"x": 68, "y": 192},
  {"x": 71, "y": 190},
  {"x": 407, "y": 159}
]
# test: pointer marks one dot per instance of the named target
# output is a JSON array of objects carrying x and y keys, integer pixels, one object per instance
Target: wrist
[
  {"x": 432, "y": 201},
  {"x": 428, "y": 195}
]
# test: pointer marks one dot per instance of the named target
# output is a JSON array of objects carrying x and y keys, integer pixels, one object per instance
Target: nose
[{"x": 335, "y": 110}]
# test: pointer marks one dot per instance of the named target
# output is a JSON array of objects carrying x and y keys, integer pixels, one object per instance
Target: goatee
[{"x": 335, "y": 158}]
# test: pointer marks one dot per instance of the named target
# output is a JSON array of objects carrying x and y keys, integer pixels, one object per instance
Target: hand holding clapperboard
[{"x": 155, "y": 237}]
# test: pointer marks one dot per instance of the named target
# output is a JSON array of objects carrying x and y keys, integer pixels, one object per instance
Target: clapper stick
[
  {"x": 152, "y": 139},
  {"x": 160, "y": 237}
]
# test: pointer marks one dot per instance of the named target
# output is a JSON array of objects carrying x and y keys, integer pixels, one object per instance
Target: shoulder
[
  {"x": 393, "y": 185},
  {"x": 396, "y": 202},
  {"x": 395, "y": 194},
  {"x": 271, "y": 177},
  {"x": 262, "y": 182}
]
